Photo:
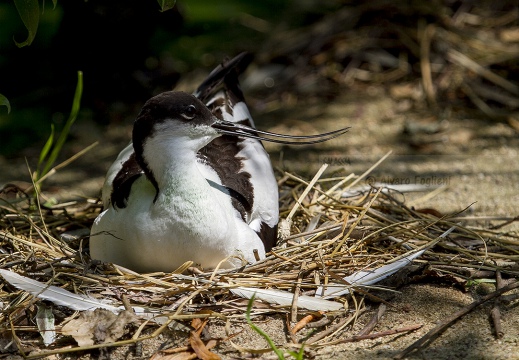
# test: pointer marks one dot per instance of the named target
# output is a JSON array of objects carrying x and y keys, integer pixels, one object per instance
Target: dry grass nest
[{"x": 330, "y": 228}]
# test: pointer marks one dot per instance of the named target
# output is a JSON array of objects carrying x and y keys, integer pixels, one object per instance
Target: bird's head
[{"x": 177, "y": 124}]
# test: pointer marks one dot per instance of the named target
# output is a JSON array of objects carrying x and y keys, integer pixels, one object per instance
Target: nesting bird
[{"x": 194, "y": 184}]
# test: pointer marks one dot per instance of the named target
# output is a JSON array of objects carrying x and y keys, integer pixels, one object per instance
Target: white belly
[{"x": 200, "y": 226}]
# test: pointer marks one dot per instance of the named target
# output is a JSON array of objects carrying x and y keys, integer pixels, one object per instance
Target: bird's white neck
[
  {"x": 184, "y": 195},
  {"x": 171, "y": 162}
]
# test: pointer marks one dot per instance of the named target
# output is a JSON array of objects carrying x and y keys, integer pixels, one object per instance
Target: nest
[{"x": 330, "y": 228}]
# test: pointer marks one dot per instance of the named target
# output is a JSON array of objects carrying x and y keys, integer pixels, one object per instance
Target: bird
[{"x": 194, "y": 184}]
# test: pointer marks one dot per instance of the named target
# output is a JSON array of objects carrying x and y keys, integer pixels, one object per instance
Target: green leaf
[
  {"x": 29, "y": 11},
  {"x": 5, "y": 102},
  {"x": 47, "y": 146},
  {"x": 273, "y": 346},
  {"x": 298, "y": 355},
  {"x": 64, "y": 133},
  {"x": 166, "y": 4}
]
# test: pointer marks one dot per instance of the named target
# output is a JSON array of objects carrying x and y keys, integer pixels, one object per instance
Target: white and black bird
[{"x": 195, "y": 183}]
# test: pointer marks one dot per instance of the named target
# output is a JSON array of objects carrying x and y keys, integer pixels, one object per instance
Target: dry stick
[
  {"x": 330, "y": 330},
  {"x": 495, "y": 313},
  {"x": 286, "y": 224},
  {"x": 325, "y": 320},
  {"x": 507, "y": 222},
  {"x": 373, "y": 322},
  {"x": 68, "y": 161},
  {"x": 307, "y": 321},
  {"x": 328, "y": 194},
  {"x": 315, "y": 231},
  {"x": 463, "y": 60},
  {"x": 156, "y": 333},
  {"x": 438, "y": 330},
  {"x": 291, "y": 331},
  {"x": 372, "y": 336},
  {"x": 365, "y": 173},
  {"x": 307, "y": 190},
  {"x": 296, "y": 292},
  {"x": 359, "y": 309},
  {"x": 330, "y": 191},
  {"x": 482, "y": 105},
  {"x": 357, "y": 221},
  {"x": 425, "y": 64},
  {"x": 490, "y": 93}
]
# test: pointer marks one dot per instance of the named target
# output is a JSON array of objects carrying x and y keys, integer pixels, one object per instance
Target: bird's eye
[{"x": 189, "y": 112}]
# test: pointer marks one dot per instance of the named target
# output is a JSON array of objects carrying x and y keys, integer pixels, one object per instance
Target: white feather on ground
[
  {"x": 370, "y": 277},
  {"x": 285, "y": 298},
  {"x": 73, "y": 301},
  {"x": 55, "y": 294},
  {"x": 365, "y": 277}
]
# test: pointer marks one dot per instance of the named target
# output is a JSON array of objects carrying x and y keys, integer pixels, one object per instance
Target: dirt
[{"x": 476, "y": 160}]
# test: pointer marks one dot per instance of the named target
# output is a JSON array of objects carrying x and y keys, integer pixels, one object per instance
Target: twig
[
  {"x": 440, "y": 328},
  {"x": 296, "y": 292},
  {"x": 307, "y": 190},
  {"x": 330, "y": 330},
  {"x": 425, "y": 64},
  {"x": 372, "y": 336},
  {"x": 463, "y": 60},
  {"x": 365, "y": 173},
  {"x": 495, "y": 313},
  {"x": 357, "y": 221},
  {"x": 306, "y": 321},
  {"x": 374, "y": 321},
  {"x": 487, "y": 110},
  {"x": 66, "y": 162},
  {"x": 325, "y": 320}
]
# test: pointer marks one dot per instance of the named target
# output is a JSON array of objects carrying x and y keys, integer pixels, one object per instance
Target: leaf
[
  {"x": 98, "y": 326},
  {"x": 5, "y": 102},
  {"x": 45, "y": 323},
  {"x": 64, "y": 133},
  {"x": 81, "y": 330},
  {"x": 166, "y": 4},
  {"x": 29, "y": 11},
  {"x": 263, "y": 334},
  {"x": 200, "y": 349},
  {"x": 47, "y": 146}
]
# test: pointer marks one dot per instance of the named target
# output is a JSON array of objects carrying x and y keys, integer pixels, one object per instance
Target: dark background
[{"x": 129, "y": 51}]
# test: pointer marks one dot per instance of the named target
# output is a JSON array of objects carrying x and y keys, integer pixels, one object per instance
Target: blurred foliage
[
  {"x": 166, "y": 4},
  {"x": 213, "y": 30},
  {"x": 127, "y": 53},
  {"x": 5, "y": 102},
  {"x": 29, "y": 11}
]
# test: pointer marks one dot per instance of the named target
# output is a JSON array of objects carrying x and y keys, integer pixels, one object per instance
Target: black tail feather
[{"x": 226, "y": 73}]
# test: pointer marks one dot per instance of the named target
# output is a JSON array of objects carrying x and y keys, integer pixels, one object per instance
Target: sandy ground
[{"x": 478, "y": 161}]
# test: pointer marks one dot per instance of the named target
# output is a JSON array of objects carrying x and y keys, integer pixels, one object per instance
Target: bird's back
[{"x": 242, "y": 164}]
